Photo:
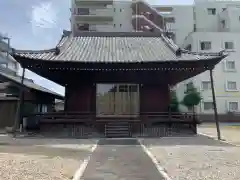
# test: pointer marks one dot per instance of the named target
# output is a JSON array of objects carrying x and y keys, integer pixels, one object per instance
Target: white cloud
[{"x": 44, "y": 16}]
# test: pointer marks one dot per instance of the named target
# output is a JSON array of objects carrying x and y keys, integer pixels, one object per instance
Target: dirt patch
[{"x": 230, "y": 134}]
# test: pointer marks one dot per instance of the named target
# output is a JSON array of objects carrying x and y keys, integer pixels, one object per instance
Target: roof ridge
[
  {"x": 33, "y": 51},
  {"x": 169, "y": 43}
]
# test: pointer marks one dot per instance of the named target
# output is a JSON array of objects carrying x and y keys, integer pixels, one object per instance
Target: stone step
[{"x": 117, "y": 129}]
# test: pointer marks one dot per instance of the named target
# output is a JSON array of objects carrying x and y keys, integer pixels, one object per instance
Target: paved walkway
[{"x": 120, "y": 159}]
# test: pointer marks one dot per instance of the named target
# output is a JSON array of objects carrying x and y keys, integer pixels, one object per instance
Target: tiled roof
[
  {"x": 114, "y": 47},
  {"x": 29, "y": 84}
]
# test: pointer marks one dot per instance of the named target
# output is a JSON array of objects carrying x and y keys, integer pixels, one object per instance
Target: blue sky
[{"x": 38, "y": 24}]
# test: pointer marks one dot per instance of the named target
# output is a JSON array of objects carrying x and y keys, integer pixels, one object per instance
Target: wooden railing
[
  {"x": 71, "y": 117},
  {"x": 60, "y": 117}
]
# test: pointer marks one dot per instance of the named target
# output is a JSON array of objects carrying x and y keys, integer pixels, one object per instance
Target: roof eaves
[
  {"x": 31, "y": 85},
  {"x": 222, "y": 53},
  {"x": 33, "y": 51}
]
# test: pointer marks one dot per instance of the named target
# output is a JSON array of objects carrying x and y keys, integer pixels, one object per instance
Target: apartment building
[
  {"x": 111, "y": 15},
  {"x": 210, "y": 26},
  {"x": 7, "y": 63}
]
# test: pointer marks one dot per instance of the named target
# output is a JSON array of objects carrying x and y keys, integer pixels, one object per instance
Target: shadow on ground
[
  {"x": 197, "y": 140},
  {"x": 125, "y": 142}
]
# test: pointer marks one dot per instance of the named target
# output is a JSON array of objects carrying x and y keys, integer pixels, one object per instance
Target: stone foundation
[{"x": 138, "y": 130}]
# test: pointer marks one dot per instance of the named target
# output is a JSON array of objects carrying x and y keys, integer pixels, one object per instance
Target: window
[
  {"x": 231, "y": 86},
  {"x": 83, "y": 27},
  {"x": 194, "y": 28},
  {"x": 205, "y": 45},
  {"x": 223, "y": 23},
  {"x": 42, "y": 108},
  {"x": 223, "y": 9},
  {"x": 233, "y": 106},
  {"x": 211, "y": 11},
  {"x": 3, "y": 65},
  {"x": 82, "y": 11},
  {"x": 120, "y": 25},
  {"x": 228, "y": 45},
  {"x": 120, "y": 10},
  {"x": 206, "y": 85},
  {"x": 189, "y": 86},
  {"x": 207, "y": 106},
  {"x": 189, "y": 47},
  {"x": 114, "y": 25},
  {"x": 230, "y": 65}
]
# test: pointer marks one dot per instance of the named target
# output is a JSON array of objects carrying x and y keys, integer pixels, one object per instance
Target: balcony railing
[
  {"x": 93, "y": 19},
  {"x": 93, "y": 2}
]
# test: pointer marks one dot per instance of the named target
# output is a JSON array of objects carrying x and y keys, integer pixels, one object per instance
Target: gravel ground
[
  {"x": 36, "y": 167},
  {"x": 229, "y": 133},
  {"x": 41, "y": 159},
  {"x": 192, "y": 159}
]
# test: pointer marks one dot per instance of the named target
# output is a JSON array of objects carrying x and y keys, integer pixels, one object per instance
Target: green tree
[
  {"x": 174, "y": 104},
  {"x": 192, "y": 98}
]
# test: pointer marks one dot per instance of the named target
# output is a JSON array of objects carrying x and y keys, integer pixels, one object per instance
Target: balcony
[
  {"x": 91, "y": 15},
  {"x": 93, "y": 19},
  {"x": 140, "y": 22},
  {"x": 93, "y": 2},
  {"x": 142, "y": 8}
]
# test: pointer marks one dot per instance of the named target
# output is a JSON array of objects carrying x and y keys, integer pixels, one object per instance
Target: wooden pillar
[
  {"x": 20, "y": 103},
  {"x": 66, "y": 98},
  {"x": 215, "y": 105},
  {"x": 41, "y": 108}
]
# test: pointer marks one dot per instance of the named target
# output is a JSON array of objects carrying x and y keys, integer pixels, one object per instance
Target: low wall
[{"x": 221, "y": 117}]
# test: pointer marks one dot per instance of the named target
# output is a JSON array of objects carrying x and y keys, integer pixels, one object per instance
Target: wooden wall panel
[
  {"x": 154, "y": 98},
  {"x": 81, "y": 99}
]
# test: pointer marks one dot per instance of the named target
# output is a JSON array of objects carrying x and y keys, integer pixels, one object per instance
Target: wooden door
[{"x": 119, "y": 100}]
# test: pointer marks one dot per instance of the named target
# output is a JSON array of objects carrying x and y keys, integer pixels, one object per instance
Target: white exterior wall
[
  {"x": 210, "y": 23},
  {"x": 188, "y": 15},
  {"x": 221, "y": 74},
  {"x": 234, "y": 19},
  {"x": 121, "y": 12}
]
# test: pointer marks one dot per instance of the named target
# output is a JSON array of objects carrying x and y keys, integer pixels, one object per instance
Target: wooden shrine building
[{"x": 117, "y": 83}]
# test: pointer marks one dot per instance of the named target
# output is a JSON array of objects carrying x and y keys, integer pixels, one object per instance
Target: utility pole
[{"x": 215, "y": 105}]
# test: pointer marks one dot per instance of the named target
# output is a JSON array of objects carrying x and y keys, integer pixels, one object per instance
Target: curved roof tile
[{"x": 115, "y": 47}]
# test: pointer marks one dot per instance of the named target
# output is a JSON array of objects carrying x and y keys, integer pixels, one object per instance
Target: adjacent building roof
[
  {"x": 115, "y": 47},
  {"x": 29, "y": 84}
]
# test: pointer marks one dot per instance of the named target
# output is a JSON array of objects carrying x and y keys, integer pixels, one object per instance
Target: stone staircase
[{"x": 117, "y": 129}]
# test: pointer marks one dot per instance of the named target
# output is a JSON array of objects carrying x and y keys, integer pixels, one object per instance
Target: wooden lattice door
[{"x": 119, "y": 100}]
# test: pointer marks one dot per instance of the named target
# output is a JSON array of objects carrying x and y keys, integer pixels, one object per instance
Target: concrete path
[{"x": 120, "y": 159}]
